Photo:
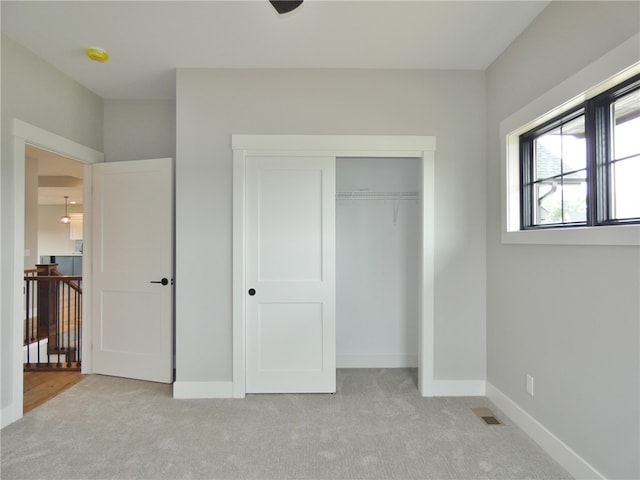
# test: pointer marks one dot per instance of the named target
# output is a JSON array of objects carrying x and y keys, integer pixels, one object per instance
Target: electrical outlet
[{"x": 529, "y": 384}]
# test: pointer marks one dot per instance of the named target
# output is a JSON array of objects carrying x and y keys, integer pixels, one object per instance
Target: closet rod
[{"x": 369, "y": 195}]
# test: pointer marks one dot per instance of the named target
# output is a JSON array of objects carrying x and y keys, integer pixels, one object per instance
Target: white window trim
[{"x": 607, "y": 71}]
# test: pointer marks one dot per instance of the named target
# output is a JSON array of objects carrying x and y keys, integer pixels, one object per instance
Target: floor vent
[{"x": 487, "y": 416}]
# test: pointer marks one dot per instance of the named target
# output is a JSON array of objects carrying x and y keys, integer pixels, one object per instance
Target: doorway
[
  {"x": 393, "y": 147},
  {"x": 24, "y": 135},
  {"x": 53, "y": 242}
]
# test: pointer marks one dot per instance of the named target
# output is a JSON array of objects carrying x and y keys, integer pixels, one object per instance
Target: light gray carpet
[{"x": 376, "y": 427}]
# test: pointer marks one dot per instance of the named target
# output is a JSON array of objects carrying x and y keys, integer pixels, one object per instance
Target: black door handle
[
  {"x": 252, "y": 291},
  {"x": 164, "y": 281}
]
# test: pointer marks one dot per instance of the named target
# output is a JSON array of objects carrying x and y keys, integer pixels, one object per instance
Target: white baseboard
[
  {"x": 193, "y": 390},
  {"x": 459, "y": 388},
  {"x": 376, "y": 361},
  {"x": 556, "y": 448}
]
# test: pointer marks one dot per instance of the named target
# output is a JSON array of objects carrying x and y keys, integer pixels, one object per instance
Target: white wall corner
[
  {"x": 459, "y": 388},
  {"x": 199, "y": 390},
  {"x": 578, "y": 467},
  {"x": 7, "y": 416}
]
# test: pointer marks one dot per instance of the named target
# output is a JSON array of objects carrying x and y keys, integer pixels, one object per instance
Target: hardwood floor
[{"x": 42, "y": 386}]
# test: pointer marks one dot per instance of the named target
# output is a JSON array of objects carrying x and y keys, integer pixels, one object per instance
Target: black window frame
[{"x": 598, "y": 127}]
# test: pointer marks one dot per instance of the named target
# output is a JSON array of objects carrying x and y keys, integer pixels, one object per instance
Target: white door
[
  {"x": 132, "y": 259},
  {"x": 290, "y": 274}
]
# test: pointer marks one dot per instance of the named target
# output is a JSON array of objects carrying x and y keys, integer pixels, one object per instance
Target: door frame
[
  {"x": 338, "y": 146},
  {"x": 26, "y": 134}
]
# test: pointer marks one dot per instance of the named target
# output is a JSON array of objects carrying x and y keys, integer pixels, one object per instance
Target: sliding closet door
[{"x": 290, "y": 274}]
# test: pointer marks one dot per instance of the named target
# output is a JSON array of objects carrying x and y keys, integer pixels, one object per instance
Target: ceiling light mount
[
  {"x": 285, "y": 6},
  {"x": 97, "y": 54}
]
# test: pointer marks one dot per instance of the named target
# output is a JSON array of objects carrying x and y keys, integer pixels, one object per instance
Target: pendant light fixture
[{"x": 65, "y": 218}]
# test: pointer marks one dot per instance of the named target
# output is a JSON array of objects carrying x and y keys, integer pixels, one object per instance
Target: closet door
[{"x": 290, "y": 274}]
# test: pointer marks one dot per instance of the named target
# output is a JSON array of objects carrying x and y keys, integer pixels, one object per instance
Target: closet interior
[{"x": 377, "y": 262}]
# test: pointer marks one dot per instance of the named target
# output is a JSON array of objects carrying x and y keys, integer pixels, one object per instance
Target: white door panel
[
  {"x": 290, "y": 248},
  {"x": 290, "y": 230},
  {"x": 282, "y": 320},
  {"x": 133, "y": 246}
]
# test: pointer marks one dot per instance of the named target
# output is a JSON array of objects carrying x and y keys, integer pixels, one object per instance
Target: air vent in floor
[{"x": 487, "y": 416}]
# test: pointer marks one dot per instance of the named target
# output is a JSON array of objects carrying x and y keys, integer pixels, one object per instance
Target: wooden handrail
[
  {"x": 68, "y": 279},
  {"x": 54, "y": 277},
  {"x": 54, "y": 274}
]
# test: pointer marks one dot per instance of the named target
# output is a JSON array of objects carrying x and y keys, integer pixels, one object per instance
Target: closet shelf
[{"x": 369, "y": 195}]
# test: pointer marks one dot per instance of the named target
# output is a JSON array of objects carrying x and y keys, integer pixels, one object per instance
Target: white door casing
[
  {"x": 26, "y": 134},
  {"x": 133, "y": 269},
  {"x": 290, "y": 274},
  {"x": 311, "y": 146}
]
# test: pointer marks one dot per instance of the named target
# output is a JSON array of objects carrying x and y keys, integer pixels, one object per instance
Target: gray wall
[
  {"x": 568, "y": 315},
  {"x": 139, "y": 129},
  {"x": 214, "y": 104},
  {"x": 581, "y": 343},
  {"x": 36, "y": 93}
]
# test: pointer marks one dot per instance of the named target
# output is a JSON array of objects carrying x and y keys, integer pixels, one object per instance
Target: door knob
[
  {"x": 252, "y": 291},
  {"x": 164, "y": 281}
]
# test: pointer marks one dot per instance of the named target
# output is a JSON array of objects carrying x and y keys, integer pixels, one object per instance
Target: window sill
[{"x": 621, "y": 235}]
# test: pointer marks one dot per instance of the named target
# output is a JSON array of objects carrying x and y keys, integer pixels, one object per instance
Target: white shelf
[{"x": 369, "y": 195}]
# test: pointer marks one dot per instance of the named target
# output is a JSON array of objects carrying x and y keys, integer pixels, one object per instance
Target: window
[{"x": 582, "y": 168}]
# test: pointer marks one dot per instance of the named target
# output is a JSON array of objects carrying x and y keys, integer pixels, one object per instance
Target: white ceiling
[{"x": 148, "y": 40}]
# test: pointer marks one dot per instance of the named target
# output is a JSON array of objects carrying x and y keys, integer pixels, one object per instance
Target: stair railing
[{"x": 53, "y": 319}]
